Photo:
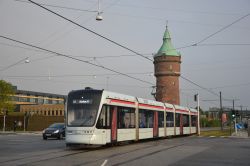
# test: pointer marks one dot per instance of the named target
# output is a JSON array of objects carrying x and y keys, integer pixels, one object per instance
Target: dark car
[{"x": 56, "y": 130}]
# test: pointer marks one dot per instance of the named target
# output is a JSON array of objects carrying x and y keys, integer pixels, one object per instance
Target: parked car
[{"x": 56, "y": 130}]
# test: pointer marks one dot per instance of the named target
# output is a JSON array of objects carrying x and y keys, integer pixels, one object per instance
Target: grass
[{"x": 216, "y": 133}]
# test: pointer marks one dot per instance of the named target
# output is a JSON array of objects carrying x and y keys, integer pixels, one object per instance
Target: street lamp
[
  {"x": 25, "y": 60},
  {"x": 99, "y": 16}
]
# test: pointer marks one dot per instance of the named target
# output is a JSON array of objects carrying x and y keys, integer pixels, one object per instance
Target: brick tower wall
[{"x": 167, "y": 72}]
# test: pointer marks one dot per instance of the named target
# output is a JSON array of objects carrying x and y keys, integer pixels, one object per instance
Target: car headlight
[{"x": 57, "y": 131}]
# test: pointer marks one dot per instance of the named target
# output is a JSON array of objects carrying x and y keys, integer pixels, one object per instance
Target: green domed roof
[{"x": 167, "y": 49}]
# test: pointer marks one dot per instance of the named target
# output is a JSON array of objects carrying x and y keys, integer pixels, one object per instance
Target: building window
[
  {"x": 53, "y": 113},
  {"x": 170, "y": 67},
  {"x": 60, "y": 102},
  {"x": 61, "y": 112},
  {"x": 46, "y": 101},
  {"x": 23, "y": 99},
  {"x": 48, "y": 113},
  {"x": 54, "y": 102},
  {"x": 40, "y": 100}
]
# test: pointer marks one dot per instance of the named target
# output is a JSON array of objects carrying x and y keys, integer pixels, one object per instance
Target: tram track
[
  {"x": 143, "y": 146},
  {"x": 40, "y": 157},
  {"x": 161, "y": 143},
  {"x": 109, "y": 157}
]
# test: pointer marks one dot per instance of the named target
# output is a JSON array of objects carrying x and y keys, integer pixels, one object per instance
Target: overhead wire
[
  {"x": 76, "y": 59},
  {"x": 91, "y": 31},
  {"x": 195, "y": 44},
  {"x": 14, "y": 64},
  {"x": 75, "y": 75},
  {"x": 62, "y": 7},
  {"x": 222, "y": 29}
]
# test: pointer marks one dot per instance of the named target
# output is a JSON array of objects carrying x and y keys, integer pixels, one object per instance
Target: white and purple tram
[{"x": 99, "y": 117}]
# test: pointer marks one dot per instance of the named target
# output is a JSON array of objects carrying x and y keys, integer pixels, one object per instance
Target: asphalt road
[{"x": 30, "y": 149}]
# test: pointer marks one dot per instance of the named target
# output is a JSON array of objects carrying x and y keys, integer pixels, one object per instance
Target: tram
[{"x": 99, "y": 117}]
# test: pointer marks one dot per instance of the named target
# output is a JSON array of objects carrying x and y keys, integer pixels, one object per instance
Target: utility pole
[
  {"x": 234, "y": 119},
  {"x": 221, "y": 112},
  {"x": 198, "y": 109},
  {"x": 197, "y": 98},
  {"x": 241, "y": 113}
]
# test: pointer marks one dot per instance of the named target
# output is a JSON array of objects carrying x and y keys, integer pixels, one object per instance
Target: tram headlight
[{"x": 57, "y": 131}]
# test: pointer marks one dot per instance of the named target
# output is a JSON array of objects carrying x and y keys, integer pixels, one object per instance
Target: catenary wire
[
  {"x": 91, "y": 31},
  {"x": 115, "y": 42},
  {"x": 76, "y": 59},
  {"x": 131, "y": 49},
  {"x": 195, "y": 44}
]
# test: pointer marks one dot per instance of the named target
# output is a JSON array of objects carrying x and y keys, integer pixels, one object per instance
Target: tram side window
[
  {"x": 160, "y": 119},
  {"x": 185, "y": 120},
  {"x": 177, "y": 120},
  {"x": 104, "y": 118},
  {"x": 146, "y": 118},
  {"x": 170, "y": 119},
  {"x": 126, "y": 118},
  {"x": 193, "y": 120}
]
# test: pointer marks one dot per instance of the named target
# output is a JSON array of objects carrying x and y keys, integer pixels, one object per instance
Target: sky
[{"x": 220, "y": 63}]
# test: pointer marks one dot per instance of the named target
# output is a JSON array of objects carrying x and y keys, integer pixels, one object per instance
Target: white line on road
[{"x": 104, "y": 163}]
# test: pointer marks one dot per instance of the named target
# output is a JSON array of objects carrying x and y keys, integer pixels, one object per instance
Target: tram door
[
  {"x": 113, "y": 124},
  {"x": 155, "y": 129},
  {"x": 181, "y": 124}
]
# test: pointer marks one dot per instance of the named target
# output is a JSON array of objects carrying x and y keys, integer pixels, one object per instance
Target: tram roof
[{"x": 119, "y": 96}]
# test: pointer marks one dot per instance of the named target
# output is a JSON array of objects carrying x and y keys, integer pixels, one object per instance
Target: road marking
[{"x": 104, "y": 163}]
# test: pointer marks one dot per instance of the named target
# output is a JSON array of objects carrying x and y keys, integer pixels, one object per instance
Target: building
[
  {"x": 46, "y": 104},
  {"x": 167, "y": 71}
]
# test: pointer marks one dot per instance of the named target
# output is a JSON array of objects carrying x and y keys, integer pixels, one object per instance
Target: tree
[
  {"x": 6, "y": 93},
  {"x": 200, "y": 109}
]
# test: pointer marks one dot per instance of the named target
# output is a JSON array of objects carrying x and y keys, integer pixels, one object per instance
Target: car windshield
[
  {"x": 57, "y": 125},
  {"x": 83, "y": 107}
]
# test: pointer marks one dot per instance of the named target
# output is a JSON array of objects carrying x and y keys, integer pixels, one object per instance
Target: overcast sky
[{"x": 219, "y": 63}]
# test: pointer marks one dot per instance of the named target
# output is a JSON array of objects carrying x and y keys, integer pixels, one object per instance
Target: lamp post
[{"x": 25, "y": 60}]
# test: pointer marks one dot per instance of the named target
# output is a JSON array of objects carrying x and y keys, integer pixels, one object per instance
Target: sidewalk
[{"x": 240, "y": 134}]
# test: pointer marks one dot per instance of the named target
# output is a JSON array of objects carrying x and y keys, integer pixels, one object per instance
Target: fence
[{"x": 32, "y": 123}]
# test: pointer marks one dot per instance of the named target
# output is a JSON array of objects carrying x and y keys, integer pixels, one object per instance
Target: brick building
[{"x": 167, "y": 71}]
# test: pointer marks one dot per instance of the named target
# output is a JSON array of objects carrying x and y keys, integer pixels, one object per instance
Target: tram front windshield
[{"x": 83, "y": 107}]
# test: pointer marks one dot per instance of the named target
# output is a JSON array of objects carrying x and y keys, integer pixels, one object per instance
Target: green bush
[
  {"x": 214, "y": 123},
  {"x": 204, "y": 122}
]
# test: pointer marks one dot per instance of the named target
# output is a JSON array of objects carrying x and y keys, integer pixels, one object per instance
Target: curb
[{"x": 21, "y": 133}]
